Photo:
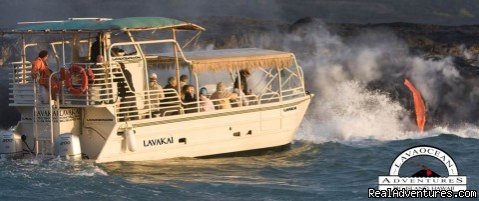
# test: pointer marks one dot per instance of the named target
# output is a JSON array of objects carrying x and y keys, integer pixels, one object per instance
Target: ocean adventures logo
[{"x": 425, "y": 178}]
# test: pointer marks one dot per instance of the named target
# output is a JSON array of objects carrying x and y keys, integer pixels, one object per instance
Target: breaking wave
[{"x": 359, "y": 88}]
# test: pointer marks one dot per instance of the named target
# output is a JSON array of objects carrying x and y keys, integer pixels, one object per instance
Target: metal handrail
[{"x": 176, "y": 105}]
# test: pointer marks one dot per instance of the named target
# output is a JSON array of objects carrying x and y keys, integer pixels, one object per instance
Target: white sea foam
[{"x": 354, "y": 114}]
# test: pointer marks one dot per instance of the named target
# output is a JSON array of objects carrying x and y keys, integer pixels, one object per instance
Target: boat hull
[{"x": 207, "y": 133}]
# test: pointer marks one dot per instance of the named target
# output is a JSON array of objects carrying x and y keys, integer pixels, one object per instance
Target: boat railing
[
  {"x": 167, "y": 102},
  {"x": 293, "y": 93},
  {"x": 269, "y": 97},
  {"x": 21, "y": 83},
  {"x": 101, "y": 89}
]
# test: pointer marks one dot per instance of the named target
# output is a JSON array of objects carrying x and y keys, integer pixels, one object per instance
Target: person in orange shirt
[{"x": 41, "y": 72}]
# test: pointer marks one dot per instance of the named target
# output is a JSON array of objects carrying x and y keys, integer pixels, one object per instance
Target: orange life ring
[{"x": 84, "y": 80}]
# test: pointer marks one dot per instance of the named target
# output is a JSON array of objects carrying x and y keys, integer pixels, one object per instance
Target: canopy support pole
[
  {"x": 197, "y": 83},
  {"x": 177, "y": 62},
  {"x": 63, "y": 51},
  {"x": 24, "y": 66},
  {"x": 279, "y": 70}
]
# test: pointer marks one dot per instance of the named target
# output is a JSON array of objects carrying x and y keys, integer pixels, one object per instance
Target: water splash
[
  {"x": 35, "y": 166},
  {"x": 354, "y": 114},
  {"x": 358, "y": 83}
]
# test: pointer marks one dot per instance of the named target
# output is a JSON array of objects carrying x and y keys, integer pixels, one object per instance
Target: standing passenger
[
  {"x": 126, "y": 91},
  {"x": 96, "y": 50},
  {"x": 40, "y": 69},
  {"x": 244, "y": 74}
]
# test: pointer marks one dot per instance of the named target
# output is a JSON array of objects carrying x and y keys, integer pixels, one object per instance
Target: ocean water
[{"x": 329, "y": 170}]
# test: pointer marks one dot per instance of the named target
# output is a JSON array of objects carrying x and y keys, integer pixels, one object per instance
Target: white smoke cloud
[{"x": 353, "y": 79}]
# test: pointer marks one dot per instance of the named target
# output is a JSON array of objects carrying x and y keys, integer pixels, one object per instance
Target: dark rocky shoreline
[{"x": 424, "y": 39}]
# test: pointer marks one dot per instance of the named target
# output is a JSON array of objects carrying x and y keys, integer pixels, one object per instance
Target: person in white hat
[{"x": 156, "y": 93}]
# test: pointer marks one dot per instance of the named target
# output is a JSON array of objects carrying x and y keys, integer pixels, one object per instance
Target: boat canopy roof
[
  {"x": 103, "y": 24},
  {"x": 229, "y": 59}
]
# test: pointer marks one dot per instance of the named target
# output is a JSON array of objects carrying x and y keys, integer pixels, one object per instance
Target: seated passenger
[
  {"x": 222, "y": 97},
  {"x": 170, "y": 95},
  {"x": 156, "y": 94},
  {"x": 206, "y": 103},
  {"x": 170, "y": 104},
  {"x": 189, "y": 98},
  {"x": 172, "y": 84},
  {"x": 183, "y": 80}
]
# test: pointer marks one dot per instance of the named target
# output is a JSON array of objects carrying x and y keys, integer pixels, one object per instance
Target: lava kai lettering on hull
[{"x": 158, "y": 142}]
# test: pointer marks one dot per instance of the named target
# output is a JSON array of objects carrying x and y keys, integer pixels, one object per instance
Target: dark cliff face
[{"x": 421, "y": 39}]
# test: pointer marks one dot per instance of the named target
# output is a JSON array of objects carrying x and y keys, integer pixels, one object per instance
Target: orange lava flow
[{"x": 419, "y": 106}]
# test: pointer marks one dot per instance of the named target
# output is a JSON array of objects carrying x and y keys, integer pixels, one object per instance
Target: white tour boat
[{"x": 101, "y": 105}]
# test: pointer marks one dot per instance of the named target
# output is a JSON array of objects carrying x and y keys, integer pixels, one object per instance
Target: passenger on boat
[
  {"x": 156, "y": 94},
  {"x": 189, "y": 98},
  {"x": 222, "y": 97},
  {"x": 183, "y": 80},
  {"x": 99, "y": 59},
  {"x": 121, "y": 52},
  {"x": 206, "y": 103},
  {"x": 172, "y": 84},
  {"x": 98, "y": 69},
  {"x": 117, "y": 52},
  {"x": 244, "y": 74},
  {"x": 96, "y": 49},
  {"x": 126, "y": 93},
  {"x": 245, "y": 92},
  {"x": 41, "y": 72},
  {"x": 98, "y": 91},
  {"x": 170, "y": 104}
]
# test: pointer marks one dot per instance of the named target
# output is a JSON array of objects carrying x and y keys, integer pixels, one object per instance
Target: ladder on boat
[{"x": 43, "y": 125}]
